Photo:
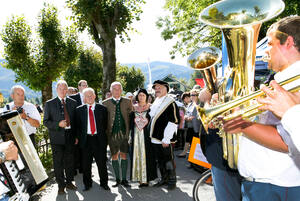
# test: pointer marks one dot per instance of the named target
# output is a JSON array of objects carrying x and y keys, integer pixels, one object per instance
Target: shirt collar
[
  {"x": 290, "y": 71},
  {"x": 116, "y": 99},
  {"x": 93, "y": 106},
  {"x": 61, "y": 98}
]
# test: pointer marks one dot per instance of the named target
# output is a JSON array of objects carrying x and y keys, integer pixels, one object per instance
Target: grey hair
[
  {"x": 12, "y": 90},
  {"x": 61, "y": 82},
  {"x": 88, "y": 89},
  {"x": 115, "y": 83}
]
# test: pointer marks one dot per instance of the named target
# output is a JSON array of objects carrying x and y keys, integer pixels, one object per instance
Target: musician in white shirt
[
  {"x": 270, "y": 172},
  {"x": 285, "y": 105},
  {"x": 28, "y": 112}
]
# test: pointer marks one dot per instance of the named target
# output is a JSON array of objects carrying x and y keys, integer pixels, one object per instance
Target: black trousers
[
  {"x": 165, "y": 160},
  {"x": 90, "y": 151},
  {"x": 63, "y": 162}
]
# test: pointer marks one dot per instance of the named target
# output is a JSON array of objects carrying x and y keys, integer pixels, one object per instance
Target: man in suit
[
  {"x": 91, "y": 119},
  {"x": 82, "y": 84},
  {"x": 118, "y": 109},
  {"x": 59, "y": 118}
]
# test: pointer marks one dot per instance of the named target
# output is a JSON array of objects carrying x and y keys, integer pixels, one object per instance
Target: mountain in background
[{"x": 159, "y": 70}]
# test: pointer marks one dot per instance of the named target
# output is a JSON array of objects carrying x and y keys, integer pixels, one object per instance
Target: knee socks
[
  {"x": 124, "y": 168},
  {"x": 116, "y": 166}
]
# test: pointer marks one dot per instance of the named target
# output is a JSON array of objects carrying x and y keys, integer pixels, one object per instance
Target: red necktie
[{"x": 92, "y": 120}]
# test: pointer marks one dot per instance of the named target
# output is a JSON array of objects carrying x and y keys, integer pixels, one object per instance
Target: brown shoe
[
  {"x": 61, "y": 191},
  {"x": 71, "y": 187}
]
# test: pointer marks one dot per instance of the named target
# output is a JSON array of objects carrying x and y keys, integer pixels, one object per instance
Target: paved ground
[{"x": 185, "y": 182}]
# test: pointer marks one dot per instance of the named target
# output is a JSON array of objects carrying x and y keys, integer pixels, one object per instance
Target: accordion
[{"x": 26, "y": 175}]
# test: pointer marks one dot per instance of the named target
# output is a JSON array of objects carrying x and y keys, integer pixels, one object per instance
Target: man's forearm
[{"x": 265, "y": 135}]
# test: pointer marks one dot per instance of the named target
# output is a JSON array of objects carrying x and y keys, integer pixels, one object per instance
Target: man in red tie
[{"x": 91, "y": 120}]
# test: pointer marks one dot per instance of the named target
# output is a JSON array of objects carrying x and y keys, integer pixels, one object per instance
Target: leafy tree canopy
[
  {"x": 130, "y": 78},
  {"x": 183, "y": 23},
  {"x": 38, "y": 61},
  {"x": 105, "y": 20},
  {"x": 87, "y": 67}
]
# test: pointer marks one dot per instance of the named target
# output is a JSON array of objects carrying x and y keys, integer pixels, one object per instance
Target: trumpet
[{"x": 209, "y": 114}]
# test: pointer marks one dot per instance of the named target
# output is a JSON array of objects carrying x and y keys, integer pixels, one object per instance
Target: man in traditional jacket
[
  {"x": 118, "y": 109},
  {"x": 164, "y": 121}
]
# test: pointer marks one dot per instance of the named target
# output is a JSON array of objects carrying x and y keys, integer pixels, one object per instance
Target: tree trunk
[
  {"x": 109, "y": 64},
  {"x": 47, "y": 93}
]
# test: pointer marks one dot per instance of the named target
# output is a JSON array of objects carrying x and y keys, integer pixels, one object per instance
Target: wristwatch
[{"x": 2, "y": 157}]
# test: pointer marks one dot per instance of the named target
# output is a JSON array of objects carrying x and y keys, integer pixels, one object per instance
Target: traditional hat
[{"x": 161, "y": 83}]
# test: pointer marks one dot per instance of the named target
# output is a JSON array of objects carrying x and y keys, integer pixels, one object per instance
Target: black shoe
[
  {"x": 143, "y": 185},
  {"x": 105, "y": 187},
  {"x": 160, "y": 183},
  {"x": 171, "y": 186},
  {"x": 118, "y": 182},
  {"x": 125, "y": 183},
  {"x": 86, "y": 188}
]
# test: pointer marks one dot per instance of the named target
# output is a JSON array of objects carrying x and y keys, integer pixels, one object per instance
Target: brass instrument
[
  {"x": 209, "y": 114},
  {"x": 240, "y": 22},
  {"x": 205, "y": 60}
]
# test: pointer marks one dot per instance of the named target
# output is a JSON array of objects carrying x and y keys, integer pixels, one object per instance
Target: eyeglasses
[{"x": 194, "y": 95}]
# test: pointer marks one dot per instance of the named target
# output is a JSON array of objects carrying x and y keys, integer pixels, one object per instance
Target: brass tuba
[
  {"x": 240, "y": 22},
  {"x": 205, "y": 60}
]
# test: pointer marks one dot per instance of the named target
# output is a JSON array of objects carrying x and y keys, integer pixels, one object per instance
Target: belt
[{"x": 261, "y": 180}]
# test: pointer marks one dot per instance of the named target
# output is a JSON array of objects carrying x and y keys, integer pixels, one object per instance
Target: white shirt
[
  {"x": 31, "y": 111},
  {"x": 81, "y": 97},
  {"x": 264, "y": 164},
  {"x": 290, "y": 122},
  {"x": 171, "y": 127},
  {"x": 89, "y": 125}
]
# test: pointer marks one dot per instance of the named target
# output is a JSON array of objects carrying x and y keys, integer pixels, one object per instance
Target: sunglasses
[{"x": 194, "y": 95}]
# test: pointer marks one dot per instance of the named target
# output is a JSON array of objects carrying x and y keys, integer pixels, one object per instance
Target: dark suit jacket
[
  {"x": 53, "y": 114},
  {"x": 77, "y": 98},
  {"x": 100, "y": 114}
]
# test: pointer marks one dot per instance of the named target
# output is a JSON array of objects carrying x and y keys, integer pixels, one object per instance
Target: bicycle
[{"x": 203, "y": 187}]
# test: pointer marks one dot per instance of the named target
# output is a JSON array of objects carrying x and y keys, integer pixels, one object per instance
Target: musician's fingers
[
  {"x": 267, "y": 91},
  {"x": 276, "y": 86}
]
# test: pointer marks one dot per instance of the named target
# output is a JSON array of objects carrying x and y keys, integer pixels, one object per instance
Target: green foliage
[
  {"x": 44, "y": 148},
  {"x": 113, "y": 17},
  {"x": 130, "y": 78},
  {"x": 88, "y": 67},
  {"x": 39, "y": 61},
  {"x": 292, "y": 7},
  {"x": 183, "y": 24},
  {"x": 105, "y": 20}
]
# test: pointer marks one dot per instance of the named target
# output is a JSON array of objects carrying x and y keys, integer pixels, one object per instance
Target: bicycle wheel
[{"x": 203, "y": 188}]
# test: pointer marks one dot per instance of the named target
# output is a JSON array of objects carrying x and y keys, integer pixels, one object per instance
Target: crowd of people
[{"x": 143, "y": 131}]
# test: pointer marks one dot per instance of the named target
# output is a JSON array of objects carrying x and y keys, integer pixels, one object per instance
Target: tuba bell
[
  {"x": 240, "y": 22},
  {"x": 205, "y": 60}
]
